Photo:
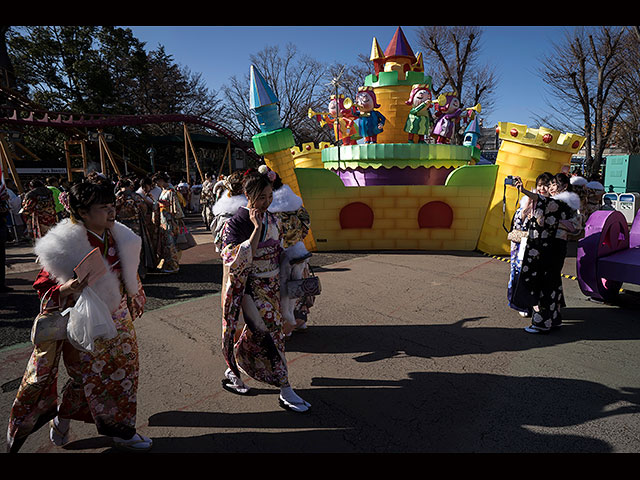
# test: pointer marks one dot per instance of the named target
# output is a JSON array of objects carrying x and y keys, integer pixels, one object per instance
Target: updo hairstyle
[
  {"x": 563, "y": 179},
  {"x": 83, "y": 196},
  {"x": 254, "y": 183}
]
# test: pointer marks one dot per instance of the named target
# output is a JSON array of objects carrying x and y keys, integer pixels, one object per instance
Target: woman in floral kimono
[
  {"x": 102, "y": 386},
  {"x": 252, "y": 251},
  {"x": 519, "y": 229},
  {"x": 539, "y": 284},
  {"x": 131, "y": 210},
  {"x": 170, "y": 221},
  {"x": 39, "y": 208}
]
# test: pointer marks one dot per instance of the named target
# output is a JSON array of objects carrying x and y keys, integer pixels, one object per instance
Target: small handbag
[
  {"x": 49, "y": 326},
  {"x": 309, "y": 286},
  {"x": 517, "y": 235}
]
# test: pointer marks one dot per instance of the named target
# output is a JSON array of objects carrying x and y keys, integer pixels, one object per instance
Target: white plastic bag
[{"x": 89, "y": 319}]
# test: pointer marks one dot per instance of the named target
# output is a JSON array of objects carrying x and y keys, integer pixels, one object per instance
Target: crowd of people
[
  {"x": 258, "y": 226},
  {"x": 549, "y": 216},
  {"x": 151, "y": 206}
]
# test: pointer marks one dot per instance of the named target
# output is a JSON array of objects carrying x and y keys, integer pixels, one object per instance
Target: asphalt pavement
[{"x": 405, "y": 352}]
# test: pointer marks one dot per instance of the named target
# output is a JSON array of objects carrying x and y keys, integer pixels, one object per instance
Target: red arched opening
[
  {"x": 435, "y": 215},
  {"x": 356, "y": 215}
]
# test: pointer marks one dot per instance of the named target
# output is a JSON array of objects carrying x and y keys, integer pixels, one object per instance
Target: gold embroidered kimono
[{"x": 259, "y": 351}]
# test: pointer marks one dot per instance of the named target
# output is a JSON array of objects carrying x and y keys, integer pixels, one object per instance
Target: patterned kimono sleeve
[
  {"x": 305, "y": 222},
  {"x": 137, "y": 302},
  {"x": 29, "y": 205},
  {"x": 294, "y": 226},
  {"x": 518, "y": 222},
  {"x": 576, "y": 221},
  {"x": 176, "y": 205},
  {"x": 237, "y": 256},
  {"x": 48, "y": 289}
]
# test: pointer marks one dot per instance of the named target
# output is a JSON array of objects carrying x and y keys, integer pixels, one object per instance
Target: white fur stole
[
  {"x": 66, "y": 244},
  {"x": 228, "y": 204},
  {"x": 570, "y": 198},
  {"x": 285, "y": 200}
]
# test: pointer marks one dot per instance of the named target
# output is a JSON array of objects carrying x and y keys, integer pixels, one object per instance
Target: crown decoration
[
  {"x": 540, "y": 137},
  {"x": 309, "y": 149}
]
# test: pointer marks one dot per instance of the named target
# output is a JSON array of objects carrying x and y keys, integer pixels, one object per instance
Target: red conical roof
[{"x": 399, "y": 46}]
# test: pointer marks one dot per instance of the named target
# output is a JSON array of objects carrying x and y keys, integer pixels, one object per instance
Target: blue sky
[{"x": 219, "y": 52}]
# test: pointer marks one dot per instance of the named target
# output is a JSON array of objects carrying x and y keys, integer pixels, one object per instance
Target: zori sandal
[
  {"x": 137, "y": 443},
  {"x": 298, "y": 407},
  {"x": 57, "y": 435},
  {"x": 231, "y": 383}
]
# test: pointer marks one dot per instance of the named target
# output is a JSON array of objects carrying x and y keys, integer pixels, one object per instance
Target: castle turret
[
  {"x": 399, "y": 55},
  {"x": 273, "y": 142},
  {"x": 524, "y": 152},
  {"x": 377, "y": 57},
  {"x": 396, "y": 71}
]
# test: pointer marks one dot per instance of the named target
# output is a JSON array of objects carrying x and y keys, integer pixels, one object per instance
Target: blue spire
[
  {"x": 260, "y": 93},
  {"x": 472, "y": 133},
  {"x": 263, "y": 102}
]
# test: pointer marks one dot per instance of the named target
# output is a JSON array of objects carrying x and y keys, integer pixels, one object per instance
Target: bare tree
[
  {"x": 451, "y": 57},
  {"x": 297, "y": 81},
  {"x": 582, "y": 73},
  {"x": 627, "y": 132}
]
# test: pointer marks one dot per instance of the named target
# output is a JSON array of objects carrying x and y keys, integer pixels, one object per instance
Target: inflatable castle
[{"x": 394, "y": 190}]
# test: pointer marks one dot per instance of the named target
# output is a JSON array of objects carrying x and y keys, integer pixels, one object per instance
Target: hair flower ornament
[{"x": 264, "y": 170}]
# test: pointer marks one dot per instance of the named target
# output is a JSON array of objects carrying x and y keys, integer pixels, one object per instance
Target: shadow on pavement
[
  {"x": 462, "y": 337},
  {"x": 427, "y": 412}
]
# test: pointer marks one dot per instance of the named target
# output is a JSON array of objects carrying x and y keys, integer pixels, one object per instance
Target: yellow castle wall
[{"x": 395, "y": 224}]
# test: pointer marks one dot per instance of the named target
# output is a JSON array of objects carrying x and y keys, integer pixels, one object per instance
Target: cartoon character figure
[
  {"x": 448, "y": 114},
  {"x": 370, "y": 121},
  {"x": 345, "y": 129},
  {"x": 419, "y": 120}
]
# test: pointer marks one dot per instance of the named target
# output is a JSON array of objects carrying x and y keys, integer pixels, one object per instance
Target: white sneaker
[{"x": 137, "y": 443}]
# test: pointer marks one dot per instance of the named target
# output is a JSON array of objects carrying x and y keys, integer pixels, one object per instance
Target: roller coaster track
[{"x": 42, "y": 118}]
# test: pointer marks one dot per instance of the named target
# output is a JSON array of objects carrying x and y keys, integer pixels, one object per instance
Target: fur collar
[
  {"x": 570, "y": 198},
  {"x": 228, "y": 204},
  {"x": 284, "y": 200},
  {"x": 62, "y": 248}
]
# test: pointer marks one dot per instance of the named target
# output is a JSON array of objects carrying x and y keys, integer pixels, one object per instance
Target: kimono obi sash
[{"x": 267, "y": 262}]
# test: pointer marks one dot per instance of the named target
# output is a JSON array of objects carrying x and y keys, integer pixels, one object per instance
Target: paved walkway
[{"x": 406, "y": 352}]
